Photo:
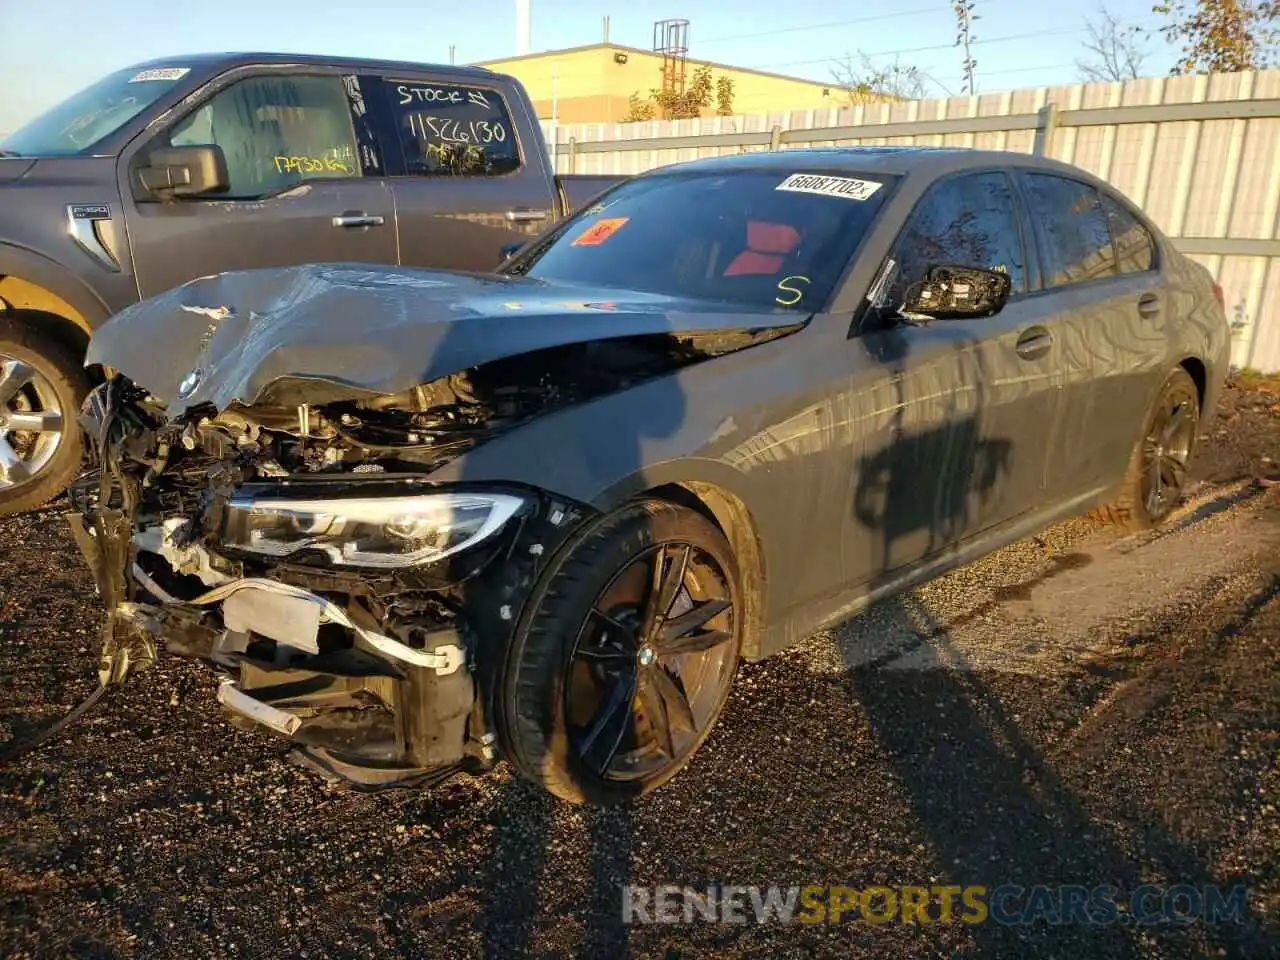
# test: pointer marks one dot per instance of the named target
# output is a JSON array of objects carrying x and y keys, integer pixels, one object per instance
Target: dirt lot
[{"x": 1078, "y": 708}]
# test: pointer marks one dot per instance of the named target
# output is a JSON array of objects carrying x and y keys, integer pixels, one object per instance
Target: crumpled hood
[{"x": 326, "y": 332}]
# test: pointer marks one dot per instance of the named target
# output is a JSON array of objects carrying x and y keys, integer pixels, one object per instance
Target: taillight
[{"x": 1221, "y": 298}]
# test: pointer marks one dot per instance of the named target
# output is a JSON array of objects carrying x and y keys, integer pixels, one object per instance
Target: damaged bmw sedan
[{"x": 419, "y": 521}]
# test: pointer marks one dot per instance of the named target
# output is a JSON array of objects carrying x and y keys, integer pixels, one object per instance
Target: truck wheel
[
  {"x": 41, "y": 388},
  {"x": 624, "y": 657},
  {"x": 1157, "y": 471}
]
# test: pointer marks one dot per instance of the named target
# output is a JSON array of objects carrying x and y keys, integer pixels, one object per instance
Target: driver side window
[
  {"x": 275, "y": 132},
  {"x": 968, "y": 221}
]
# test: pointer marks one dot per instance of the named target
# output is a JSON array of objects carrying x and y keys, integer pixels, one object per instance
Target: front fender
[{"x": 34, "y": 268}]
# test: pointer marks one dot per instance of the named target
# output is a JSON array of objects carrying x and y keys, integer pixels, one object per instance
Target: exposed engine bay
[{"x": 303, "y": 552}]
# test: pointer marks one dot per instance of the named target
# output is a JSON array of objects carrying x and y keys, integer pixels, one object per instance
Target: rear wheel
[
  {"x": 41, "y": 388},
  {"x": 1157, "y": 473},
  {"x": 626, "y": 656}
]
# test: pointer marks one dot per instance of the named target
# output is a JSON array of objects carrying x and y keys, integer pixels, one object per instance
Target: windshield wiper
[{"x": 10, "y": 153}]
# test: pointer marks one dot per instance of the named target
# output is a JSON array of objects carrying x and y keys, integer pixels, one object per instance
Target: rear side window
[
  {"x": 452, "y": 131},
  {"x": 275, "y": 132},
  {"x": 1135, "y": 250},
  {"x": 967, "y": 221},
  {"x": 1076, "y": 237}
]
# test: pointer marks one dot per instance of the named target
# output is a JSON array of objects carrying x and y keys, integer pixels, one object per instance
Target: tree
[
  {"x": 1116, "y": 49},
  {"x": 639, "y": 110},
  {"x": 697, "y": 96},
  {"x": 1222, "y": 36},
  {"x": 965, "y": 38},
  {"x": 724, "y": 97},
  {"x": 863, "y": 81}
]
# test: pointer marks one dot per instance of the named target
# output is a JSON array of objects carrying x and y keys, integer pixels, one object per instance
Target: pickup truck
[{"x": 175, "y": 169}]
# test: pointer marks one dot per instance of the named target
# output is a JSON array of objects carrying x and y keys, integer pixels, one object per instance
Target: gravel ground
[{"x": 1077, "y": 708}]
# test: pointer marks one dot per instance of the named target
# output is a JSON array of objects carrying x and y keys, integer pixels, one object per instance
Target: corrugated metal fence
[{"x": 1201, "y": 154}]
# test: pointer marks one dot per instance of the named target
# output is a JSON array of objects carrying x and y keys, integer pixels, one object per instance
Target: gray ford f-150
[{"x": 171, "y": 170}]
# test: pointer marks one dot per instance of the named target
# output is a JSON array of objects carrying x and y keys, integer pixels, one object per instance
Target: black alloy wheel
[
  {"x": 641, "y": 623},
  {"x": 1166, "y": 451},
  {"x": 649, "y": 665},
  {"x": 1157, "y": 475}
]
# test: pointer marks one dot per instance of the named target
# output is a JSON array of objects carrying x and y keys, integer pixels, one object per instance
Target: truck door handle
[
  {"x": 523, "y": 216},
  {"x": 358, "y": 220},
  {"x": 1148, "y": 306},
  {"x": 1034, "y": 343}
]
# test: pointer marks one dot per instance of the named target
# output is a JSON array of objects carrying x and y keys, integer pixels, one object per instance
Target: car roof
[
  {"x": 895, "y": 161},
  {"x": 238, "y": 59}
]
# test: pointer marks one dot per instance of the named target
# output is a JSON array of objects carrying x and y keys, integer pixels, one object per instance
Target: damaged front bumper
[
  {"x": 372, "y": 710},
  {"x": 382, "y": 676}
]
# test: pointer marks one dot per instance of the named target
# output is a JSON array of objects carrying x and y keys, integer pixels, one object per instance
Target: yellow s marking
[{"x": 791, "y": 296}]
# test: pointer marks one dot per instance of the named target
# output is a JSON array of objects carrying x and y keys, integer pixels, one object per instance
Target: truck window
[
  {"x": 276, "y": 132},
  {"x": 447, "y": 130},
  {"x": 85, "y": 118}
]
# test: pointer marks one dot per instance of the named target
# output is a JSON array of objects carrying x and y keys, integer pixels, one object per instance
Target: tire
[
  {"x": 564, "y": 658},
  {"x": 37, "y": 465},
  {"x": 1134, "y": 509}
]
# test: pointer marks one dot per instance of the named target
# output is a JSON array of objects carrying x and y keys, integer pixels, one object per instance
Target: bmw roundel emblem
[{"x": 190, "y": 384}]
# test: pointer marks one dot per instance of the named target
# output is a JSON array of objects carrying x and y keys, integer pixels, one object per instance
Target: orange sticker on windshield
[{"x": 599, "y": 232}]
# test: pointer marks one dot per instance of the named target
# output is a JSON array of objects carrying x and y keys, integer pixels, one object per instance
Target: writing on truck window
[
  {"x": 449, "y": 130},
  {"x": 275, "y": 132},
  {"x": 331, "y": 164}
]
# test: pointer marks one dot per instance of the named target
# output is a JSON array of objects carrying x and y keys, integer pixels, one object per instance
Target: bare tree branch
[
  {"x": 864, "y": 81},
  {"x": 1117, "y": 50},
  {"x": 965, "y": 40}
]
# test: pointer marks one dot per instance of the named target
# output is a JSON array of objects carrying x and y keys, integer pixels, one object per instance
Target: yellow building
[{"x": 594, "y": 84}]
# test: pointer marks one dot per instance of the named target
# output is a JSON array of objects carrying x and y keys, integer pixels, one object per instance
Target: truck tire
[
  {"x": 42, "y": 385},
  {"x": 1157, "y": 471},
  {"x": 624, "y": 656}
]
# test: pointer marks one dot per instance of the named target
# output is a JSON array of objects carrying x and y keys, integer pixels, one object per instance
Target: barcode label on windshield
[
  {"x": 161, "y": 73},
  {"x": 847, "y": 187}
]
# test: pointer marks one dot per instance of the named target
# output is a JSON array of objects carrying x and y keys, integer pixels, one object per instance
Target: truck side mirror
[{"x": 185, "y": 172}]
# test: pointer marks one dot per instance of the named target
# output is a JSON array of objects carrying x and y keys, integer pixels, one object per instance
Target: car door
[
  {"x": 1099, "y": 267},
  {"x": 305, "y": 182},
  {"x": 961, "y": 406},
  {"x": 465, "y": 184}
]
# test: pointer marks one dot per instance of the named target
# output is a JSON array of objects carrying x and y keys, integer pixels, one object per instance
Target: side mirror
[
  {"x": 510, "y": 250},
  {"x": 185, "y": 172},
  {"x": 952, "y": 292}
]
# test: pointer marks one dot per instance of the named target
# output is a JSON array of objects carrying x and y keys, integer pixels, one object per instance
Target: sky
[{"x": 50, "y": 49}]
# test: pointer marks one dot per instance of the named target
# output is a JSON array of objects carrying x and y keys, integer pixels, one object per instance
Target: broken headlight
[{"x": 391, "y": 531}]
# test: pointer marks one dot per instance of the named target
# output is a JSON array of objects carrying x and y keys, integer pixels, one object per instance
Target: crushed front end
[{"x": 303, "y": 553}]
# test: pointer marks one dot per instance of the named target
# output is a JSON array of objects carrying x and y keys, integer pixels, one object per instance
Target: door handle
[
  {"x": 358, "y": 220},
  {"x": 1148, "y": 306},
  {"x": 1034, "y": 343},
  {"x": 523, "y": 216}
]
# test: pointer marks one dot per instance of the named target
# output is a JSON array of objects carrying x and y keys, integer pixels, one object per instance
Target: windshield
[
  {"x": 763, "y": 238},
  {"x": 97, "y": 111}
]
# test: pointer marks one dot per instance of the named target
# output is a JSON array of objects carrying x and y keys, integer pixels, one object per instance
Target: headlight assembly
[{"x": 390, "y": 531}]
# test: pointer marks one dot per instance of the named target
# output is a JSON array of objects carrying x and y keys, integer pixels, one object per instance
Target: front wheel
[
  {"x": 41, "y": 388},
  {"x": 625, "y": 657},
  {"x": 1157, "y": 473}
]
